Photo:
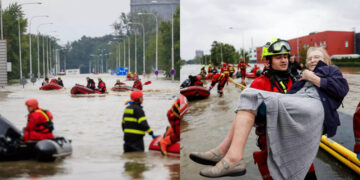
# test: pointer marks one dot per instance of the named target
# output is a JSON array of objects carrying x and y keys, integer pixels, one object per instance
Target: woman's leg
[
  {"x": 241, "y": 128},
  {"x": 224, "y": 146}
]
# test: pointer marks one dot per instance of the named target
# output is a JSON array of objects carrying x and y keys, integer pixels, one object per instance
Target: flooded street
[
  {"x": 207, "y": 122},
  {"x": 94, "y": 126}
]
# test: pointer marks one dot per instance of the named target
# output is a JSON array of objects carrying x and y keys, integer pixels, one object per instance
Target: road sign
[{"x": 172, "y": 72}]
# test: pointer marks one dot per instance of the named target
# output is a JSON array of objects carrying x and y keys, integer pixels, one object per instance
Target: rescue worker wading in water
[
  {"x": 39, "y": 125},
  {"x": 221, "y": 79},
  {"x": 225, "y": 69},
  {"x": 203, "y": 71},
  {"x": 242, "y": 66},
  {"x": 172, "y": 134},
  {"x": 134, "y": 124},
  {"x": 277, "y": 78}
]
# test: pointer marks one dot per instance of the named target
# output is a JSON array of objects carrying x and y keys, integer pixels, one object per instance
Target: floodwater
[
  {"x": 94, "y": 126},
  {"x": 208, "y": 121}
]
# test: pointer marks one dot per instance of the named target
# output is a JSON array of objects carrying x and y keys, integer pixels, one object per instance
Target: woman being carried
[{"x": 295, "y": 121}]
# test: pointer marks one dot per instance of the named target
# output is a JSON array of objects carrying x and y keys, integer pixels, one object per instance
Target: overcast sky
[
  {"x": 203, "y": 21},
  {"x": 74, "y": 18}
]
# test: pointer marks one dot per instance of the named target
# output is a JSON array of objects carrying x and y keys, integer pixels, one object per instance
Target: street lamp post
[
  {"x": 129, "y": 54},
  {"x": 21, "y": 77},
  {"x": 38, "y": 49},
  {"x": 20, "y": 58},
  {"x": 157, "y": 37},
  {"x": 124, "y": 53},
  {"x": 142, "y": 25},
  {"x": 30, "y": 54},
  {"x": 172, "y": 46}
]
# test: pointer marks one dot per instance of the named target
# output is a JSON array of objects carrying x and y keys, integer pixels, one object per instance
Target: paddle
[{"x": 147, "y": 83}]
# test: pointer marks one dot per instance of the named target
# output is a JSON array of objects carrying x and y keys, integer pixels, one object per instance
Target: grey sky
[
  {"x": 203, "y": 21},
  {"x": 74, "y": 18}
]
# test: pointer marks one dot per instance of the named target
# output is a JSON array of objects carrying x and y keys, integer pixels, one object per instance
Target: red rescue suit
[
  {"x": 356, "y": 126},
  {"x": 242, "y": 67},
  {"x": 218, "y": 78},
  {"x": 174, "y": 120},
  {"x": 138, "y": 85},
  {"x": 210, "y": 69},
  {"x": 39, "y": 126},
  {"x": 102, "y": 86}
]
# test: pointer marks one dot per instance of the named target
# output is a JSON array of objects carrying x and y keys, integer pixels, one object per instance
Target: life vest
[
  {"x": 48, "y": 125},
  {"x": 225, "y": 70},
  {"x": 231, "y": 68}
]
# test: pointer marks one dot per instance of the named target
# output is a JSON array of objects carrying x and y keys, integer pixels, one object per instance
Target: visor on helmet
[{"x": 280, "y": 46}]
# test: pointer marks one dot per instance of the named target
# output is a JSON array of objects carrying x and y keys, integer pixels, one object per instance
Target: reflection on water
[
  {"x": 94, "y": 125},
  {"x": 30, "y": 169},
  {"x": 208, "y": 121},
  {"x": 135, "y": 169}
]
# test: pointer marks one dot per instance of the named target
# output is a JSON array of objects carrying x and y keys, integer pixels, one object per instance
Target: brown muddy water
[
  {"x": 207, "y": 122},
  {"x": 94, "y": 126}
]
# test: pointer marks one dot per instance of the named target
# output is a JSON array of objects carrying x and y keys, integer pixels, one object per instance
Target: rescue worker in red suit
[
  {"x": 90, "y": 83},
  {"x": 118, "y": 83},
  {"x": 101, "y": 86},
  {"x": 356, "y": 126},
  {"x": 255, "y": 69},
  {"x": 137, "y": 84},
  {"x": 39, "y": 125},
  {"x": 242, "y": 66},
  {"x": 134, "y": 124},
  {"x": 225, "y": 70},
  {"x": 210, "y": 69},
  {"x": 277, "y": 78},
  {"x": 172, "y": 134},
  {"x": 221, "y": 79}
]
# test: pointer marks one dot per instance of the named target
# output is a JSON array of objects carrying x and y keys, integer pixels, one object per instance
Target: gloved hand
[
  {"x": 154, "y": 136},
  {"x": 358, "y": 156}
]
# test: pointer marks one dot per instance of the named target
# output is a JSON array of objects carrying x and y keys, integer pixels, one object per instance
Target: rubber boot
[{"x": 163, "y": 145}]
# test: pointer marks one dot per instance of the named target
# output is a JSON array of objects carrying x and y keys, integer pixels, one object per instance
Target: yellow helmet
[
  {"x": 276, "y": 46},
  {"x": 203, "y": 65}
]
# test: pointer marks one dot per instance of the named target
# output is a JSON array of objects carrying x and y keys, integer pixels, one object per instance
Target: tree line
[{"x": 11, "y": 17}]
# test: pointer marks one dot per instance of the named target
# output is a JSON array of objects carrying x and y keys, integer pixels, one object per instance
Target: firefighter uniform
[{"x": 134, "y": 126}]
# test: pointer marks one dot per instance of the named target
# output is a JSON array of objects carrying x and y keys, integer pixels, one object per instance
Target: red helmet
[
  {"x": 136, "y": 95},
  {"x": 32, "y": 103},
  {"x": 241, "y": 58},
  {"x": 224, "y": 64}
]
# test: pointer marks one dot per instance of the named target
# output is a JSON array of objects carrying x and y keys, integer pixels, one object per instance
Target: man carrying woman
[{"x": 294, "y": 121}]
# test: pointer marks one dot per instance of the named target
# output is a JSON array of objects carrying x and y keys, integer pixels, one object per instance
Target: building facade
[
  {"x": 335, "y": 42},
  {"x": 199, "y": 54},
  {"x": 252, "y": 55},
  {"x": 162, "y": 8}
]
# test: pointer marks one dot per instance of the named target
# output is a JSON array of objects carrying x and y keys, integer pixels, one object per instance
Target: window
[
  {"x": 315, "y": 44},
  {"x": 321, "y": 44},
  {"x": 346, "y": 43},
  {"x": 324, "y": 43}
]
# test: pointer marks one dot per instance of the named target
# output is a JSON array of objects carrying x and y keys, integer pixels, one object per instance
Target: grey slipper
[
  {"x": 206, "y": 158},
  {"x": 236, "y": 169}
]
